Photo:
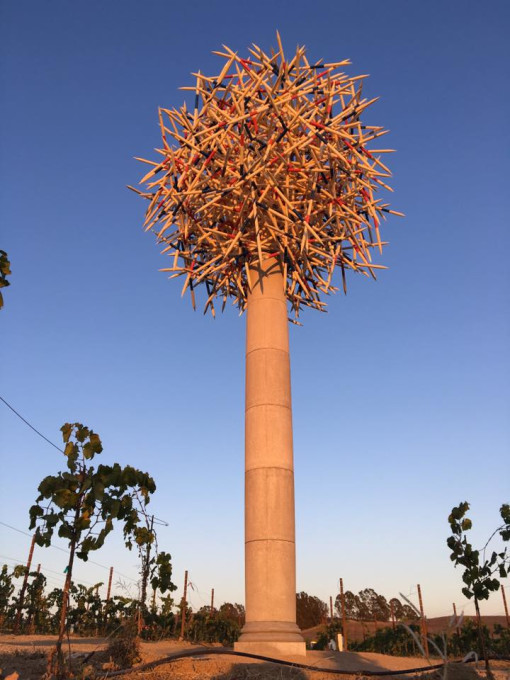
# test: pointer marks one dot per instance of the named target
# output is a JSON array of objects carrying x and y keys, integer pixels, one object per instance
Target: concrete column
[{"x": 269, "y": 484}]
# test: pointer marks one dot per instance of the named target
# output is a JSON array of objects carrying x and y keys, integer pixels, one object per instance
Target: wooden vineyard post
[
  {"x": 17, "y": 622},
  {"x": 212, "y": 600},
  {"x": 423, "y": 624},
  {"x": 505, "y": 606},
  {"x": 344, "y": 617},
  {"x": 108, "y": 597},
  {"x": 457, "y": 628},
  {"x": 392, "y": 615},
  {"x": 31, "y": 617},
  {"x": 183, "y": 605},
  {"x": 262, "y": 190},
  {"x": 108, "y": 592}
]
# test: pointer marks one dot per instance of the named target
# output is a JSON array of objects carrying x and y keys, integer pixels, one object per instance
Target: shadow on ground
[{"x": 34, "y": 641}]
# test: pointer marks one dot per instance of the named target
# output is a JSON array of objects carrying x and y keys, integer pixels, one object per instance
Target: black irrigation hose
[{"x": 207, "y": 651}]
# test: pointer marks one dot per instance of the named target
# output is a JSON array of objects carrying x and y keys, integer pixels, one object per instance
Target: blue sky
[{"x": 400, "y": 392}]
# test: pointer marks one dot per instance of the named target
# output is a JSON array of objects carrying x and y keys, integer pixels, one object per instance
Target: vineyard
[
  {"x": 373, "y": 624},
  {"x": 117, "y": 629},
  {"x": 38, "y": 612},
  {"x": 83, "y": 504}
]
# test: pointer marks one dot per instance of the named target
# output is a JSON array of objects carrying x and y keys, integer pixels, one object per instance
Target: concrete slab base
[{"x": 272, "y": 648}]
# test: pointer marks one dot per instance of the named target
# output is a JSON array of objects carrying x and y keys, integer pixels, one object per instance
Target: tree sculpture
[{"x": 261, "y": 191}]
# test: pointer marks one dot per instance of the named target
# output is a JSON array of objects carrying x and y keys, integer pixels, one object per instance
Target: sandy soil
[{"x": 26, "y": 654}]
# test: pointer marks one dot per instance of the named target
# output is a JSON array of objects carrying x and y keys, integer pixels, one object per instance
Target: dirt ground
[{"x": 27, "y": 654}]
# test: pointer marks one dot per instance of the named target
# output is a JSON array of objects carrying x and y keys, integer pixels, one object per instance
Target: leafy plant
[
  {"x": 397, "y": 642},
  {"x": 160, "y": 622},
  {"x": 81, "y": 504},
  {"x": 156, "y": 567},
  {"x": 5, "y": 270},
  {"x": 6, "y": 591},
  {"x": 35, "y": 601},
  {"x": 223, "y": 625},
  {"x": 461, "y": 640},
  {"x": 329, "y": 633},
  {"x": 124, "y": 649},
  {"x": 479, "y": 575}
]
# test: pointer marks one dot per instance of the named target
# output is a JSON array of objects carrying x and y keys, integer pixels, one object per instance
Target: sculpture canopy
[{"x": 272, "y": 161}]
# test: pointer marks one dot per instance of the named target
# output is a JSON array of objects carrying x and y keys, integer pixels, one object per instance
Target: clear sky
[{"x": 400, "y": 391}]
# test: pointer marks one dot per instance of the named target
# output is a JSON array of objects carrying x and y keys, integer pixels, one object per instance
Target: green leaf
[
  {"x": 88, "y": 451},
  {"x": 47, "y": 486},
  {"x": 65, "y": 531},
  {"x": 66, "y": 431},
  {"x": 81, "y": 432},
  {"x": 99, "y": 490},
  {"x": 5, "y": 265},
  {"x": 65, "y": 498},
  {"x": 52, "y": 519},
  {"x": 36, "y": 511},
  {"x": 505, "y": 513},
  {"x": 458, "y": 512},
  {"x": 95, "y": 442}
]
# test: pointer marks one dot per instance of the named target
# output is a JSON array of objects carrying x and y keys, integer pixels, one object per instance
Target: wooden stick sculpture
[
  {"x": 272, "y": 160},
  {"x": 261, "y": 190}
]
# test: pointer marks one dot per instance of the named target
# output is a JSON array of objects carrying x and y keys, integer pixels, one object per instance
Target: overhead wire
[
  {"x": 44, "y": 569},
  {"x": 52, "y": 578},
  {"x": 200, "y": 594},
  {"x": 29, "y": 425},
  {"x": 157, "y": 520},
  {"x": 57, "y": 547}
]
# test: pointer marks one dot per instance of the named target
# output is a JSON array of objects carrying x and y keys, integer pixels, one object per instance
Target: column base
[{"x": 278, "y": 639}]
